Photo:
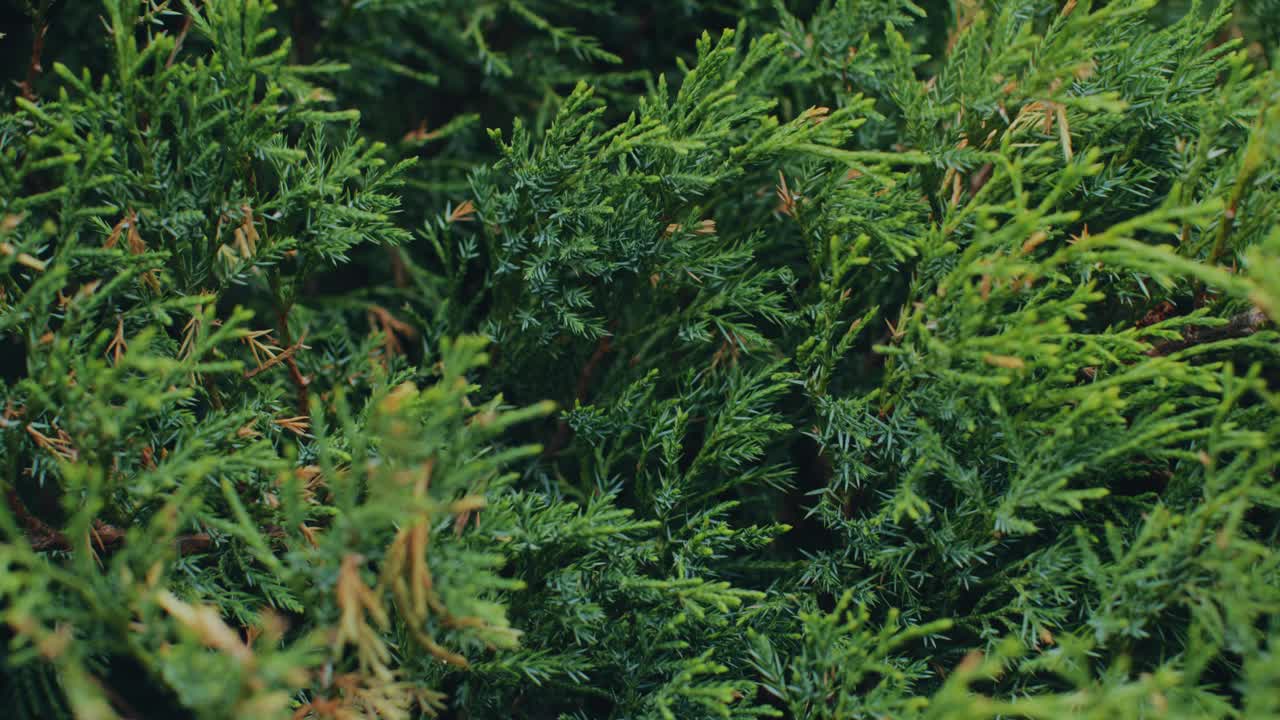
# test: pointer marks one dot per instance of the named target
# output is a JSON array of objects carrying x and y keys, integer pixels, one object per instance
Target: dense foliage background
[{"x": 566, "y": 359}]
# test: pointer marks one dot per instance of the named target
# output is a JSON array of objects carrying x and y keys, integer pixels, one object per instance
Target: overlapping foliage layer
[{"x": 867, "y": 360}]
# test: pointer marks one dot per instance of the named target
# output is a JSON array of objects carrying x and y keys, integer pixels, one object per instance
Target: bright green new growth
[{"x": 869, "y": 360}]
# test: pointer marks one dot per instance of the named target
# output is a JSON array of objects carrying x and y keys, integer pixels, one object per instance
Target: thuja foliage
[{"x": 867, "y": 359}]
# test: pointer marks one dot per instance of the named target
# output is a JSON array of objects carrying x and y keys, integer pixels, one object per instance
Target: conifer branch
[{"x": 1237, "y": 326}]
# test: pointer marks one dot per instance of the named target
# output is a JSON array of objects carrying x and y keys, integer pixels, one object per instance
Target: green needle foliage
[{"x": 864, "y": 360}]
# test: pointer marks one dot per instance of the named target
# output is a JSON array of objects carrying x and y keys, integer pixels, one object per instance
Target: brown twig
[
  {"x": 212, "y": 389},
  {"x": 104, "y": 536},
  {"x": 283, "y": 357},
  {"x": 561, "y": 437},
  {"x": 979, "y": 179},
  {"x": 299, "y": 380},
  {"x": 40, "y": 534},
  {"x": 399, "y": 273},
  {"x": 584, "y": 378},
  {"x": 1239, "y": 326},
  {"x": 194, "y": 543},
  {"x": 34, "y": 67},
  {"x": 177, "y": 45},
  {"x": 391, "y": 326}
]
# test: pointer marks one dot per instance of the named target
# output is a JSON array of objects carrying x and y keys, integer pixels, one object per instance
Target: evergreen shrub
[{"x": 866, "y": 359}]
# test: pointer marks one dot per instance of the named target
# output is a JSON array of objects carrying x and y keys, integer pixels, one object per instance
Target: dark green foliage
[{"x": 866, "y": 360}]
